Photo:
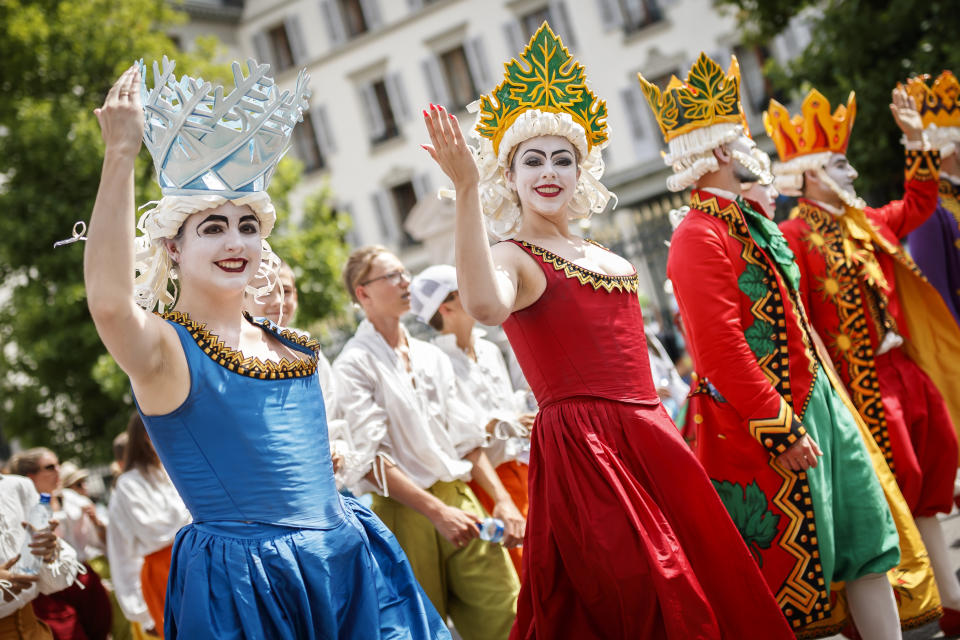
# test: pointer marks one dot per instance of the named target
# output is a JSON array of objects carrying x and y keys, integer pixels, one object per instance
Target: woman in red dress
[{"x": 626, "y": 537}]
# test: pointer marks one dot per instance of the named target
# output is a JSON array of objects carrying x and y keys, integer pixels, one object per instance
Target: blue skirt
[{"x": 261, "y": 581}]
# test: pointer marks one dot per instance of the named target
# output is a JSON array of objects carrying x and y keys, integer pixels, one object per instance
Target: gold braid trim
[
  {"x": 802, "y": 596},
  {"x": 234, "y": 360},
  {"x": 585, "y": 277}
]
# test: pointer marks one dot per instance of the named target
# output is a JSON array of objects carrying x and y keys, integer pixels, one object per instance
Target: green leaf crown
[
  {"x": 708, "y": 97},
  {"x": 546, "y": 78}
]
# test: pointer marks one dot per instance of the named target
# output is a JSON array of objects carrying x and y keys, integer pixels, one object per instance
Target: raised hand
[
  {"x": 906, "y": 115},
  {"x": 121, "y": 116},
  {"x": 449, "y": 149}
]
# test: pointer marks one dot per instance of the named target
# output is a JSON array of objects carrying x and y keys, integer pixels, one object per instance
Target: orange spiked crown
[
  {"x": 938, "y": 104},
  {"x": 814, "y": 130}
]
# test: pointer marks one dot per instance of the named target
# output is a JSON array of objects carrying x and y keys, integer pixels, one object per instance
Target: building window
[
  {"x": 306, "y": 142},
  {"x": 385, "y": 106},
  {"x": 348, "y": 19},
  {"x": 530, "y": 22},
  {"x": 630, "y": 15},
  {"x": 354, "y": 21},
  {"x": 755, "y": 90},
  {"x": 281, "y": 53},
  {"x": 404, "y": 197},
  {"x": 459, "y": 80}
]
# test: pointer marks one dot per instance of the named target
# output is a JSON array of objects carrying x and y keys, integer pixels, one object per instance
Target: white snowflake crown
[{"x": 203, "y": 142}]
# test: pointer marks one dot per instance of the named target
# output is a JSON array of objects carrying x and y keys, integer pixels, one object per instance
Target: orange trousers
[
  {"x": 513, "y": 475},
  {"x": 153, "y": 583}
]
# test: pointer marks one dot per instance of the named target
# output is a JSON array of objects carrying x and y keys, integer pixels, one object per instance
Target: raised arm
[
  {"x": 138, "y": 340},
  {"x": 488, "y": 290}
]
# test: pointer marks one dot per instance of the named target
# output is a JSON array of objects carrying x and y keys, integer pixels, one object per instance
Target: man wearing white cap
[{"x": 483, "y": 377}]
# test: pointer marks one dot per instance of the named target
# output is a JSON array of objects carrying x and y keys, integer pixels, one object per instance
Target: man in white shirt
[
  {"x": 416, "y": 443},
  {"x": 484, "y": 380}
]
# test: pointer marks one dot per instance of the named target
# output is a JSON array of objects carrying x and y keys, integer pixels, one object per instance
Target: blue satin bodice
[{"x": 249, "y": 444}]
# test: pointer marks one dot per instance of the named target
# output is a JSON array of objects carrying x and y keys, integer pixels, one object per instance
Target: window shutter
[
  {"x": 334, "y": 20},
  {"x": 634, "y": 103},
  {"x": 477, "y": 61},
  {"x": 558, "y": 13},
  {"x": 321, "y": 127},
  {"x": 295, "y": 36},
  {"x": 422, "y": 186},
  {"x": 261, "y": 45},
  {"x": 513, "y": 34},
  {"x": 398, "y": 97},
  {"x": 610, "y": 14},
  {"x": 387, "y": 220},
  {"x": 372, "y": 110},
  {"x": 435, "y": 81},
  {"x": 371, "y": 13}
]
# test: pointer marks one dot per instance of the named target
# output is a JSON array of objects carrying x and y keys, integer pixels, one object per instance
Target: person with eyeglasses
[
  {"x": 417, "y": 442},
  {"x": 82, "y": 609}
]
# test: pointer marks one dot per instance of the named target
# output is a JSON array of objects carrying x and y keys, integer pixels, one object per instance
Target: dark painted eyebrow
[
  {"x": 249, "y": 216},
  {"x": 537, "y": 151},
  {"x": 214, "y": 218},
  {"x": 560, "y": 151}
]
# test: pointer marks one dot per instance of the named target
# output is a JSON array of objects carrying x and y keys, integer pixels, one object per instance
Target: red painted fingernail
[
  {"x": 433, "y": 107},
  {"x": 425, "y": 114},
  {"x": 424, "y": 147}
]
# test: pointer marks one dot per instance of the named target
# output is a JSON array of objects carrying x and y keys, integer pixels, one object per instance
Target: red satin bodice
[{"x": 583, "y": 337}]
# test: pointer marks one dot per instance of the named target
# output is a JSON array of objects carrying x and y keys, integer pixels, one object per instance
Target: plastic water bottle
[
  {"x": 39, "y": 518},
  {"x": 491, "y": 530}
]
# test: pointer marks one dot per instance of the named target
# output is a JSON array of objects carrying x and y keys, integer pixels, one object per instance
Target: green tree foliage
[
  {"x": 58, "y": 58},
  {"x": 864, "y": 46},
  {"x": 314, "y": 245}
]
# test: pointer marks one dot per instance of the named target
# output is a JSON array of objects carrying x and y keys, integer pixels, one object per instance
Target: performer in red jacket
[
  {"x": 784, "y": 451},
  {"x": 883, "y": 323}
]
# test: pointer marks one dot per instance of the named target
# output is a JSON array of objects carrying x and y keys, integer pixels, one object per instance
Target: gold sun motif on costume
[
  {"x": 827, "y": 287},
  {"x": 814, "y": 239},
  {"x": 843, "y": 342}
]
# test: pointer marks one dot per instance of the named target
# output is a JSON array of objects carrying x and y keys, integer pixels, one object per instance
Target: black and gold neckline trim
[
  {"x": 251, "y": 367},
  {"x": 586, "y": 277}
]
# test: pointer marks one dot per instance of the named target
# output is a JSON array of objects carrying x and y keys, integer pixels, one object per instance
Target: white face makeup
[
  {"x": 544, "y": 174},
  {"x": 841, "y": 172},
  {"x": 218, "y": 248},
  {"x": 763, "y": 195}
]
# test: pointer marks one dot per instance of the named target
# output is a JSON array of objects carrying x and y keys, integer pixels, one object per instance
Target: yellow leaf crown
[
  {"x": 813, "y": 130},
  {"x": 546, "y": 78},
  {"x": 938, "y": 104},
  {"x": 709, "y": 96}
]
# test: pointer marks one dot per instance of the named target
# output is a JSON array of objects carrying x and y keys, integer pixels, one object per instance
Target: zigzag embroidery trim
[
  {"x": 234, "y": 360},
  {"x": 802, "y": 597},
  {"x": 922, "y": 165},
  {"x": 585, "y": 277}
]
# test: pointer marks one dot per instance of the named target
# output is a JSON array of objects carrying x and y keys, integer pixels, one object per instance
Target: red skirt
[
  {"x": 627, "y": 538},
  {"x": 922, "y": 437}
]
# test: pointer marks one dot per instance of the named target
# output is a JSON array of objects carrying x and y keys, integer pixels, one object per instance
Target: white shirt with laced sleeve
[
  {"x": 419, "y": 420},
  {"x": 486, "y": 384},
  {"x": 145, "y": 515},
  {"x": 17, "y": 498}
]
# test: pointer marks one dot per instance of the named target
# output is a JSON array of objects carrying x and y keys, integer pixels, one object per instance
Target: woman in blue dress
[{"x": 233, "y": 405}]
